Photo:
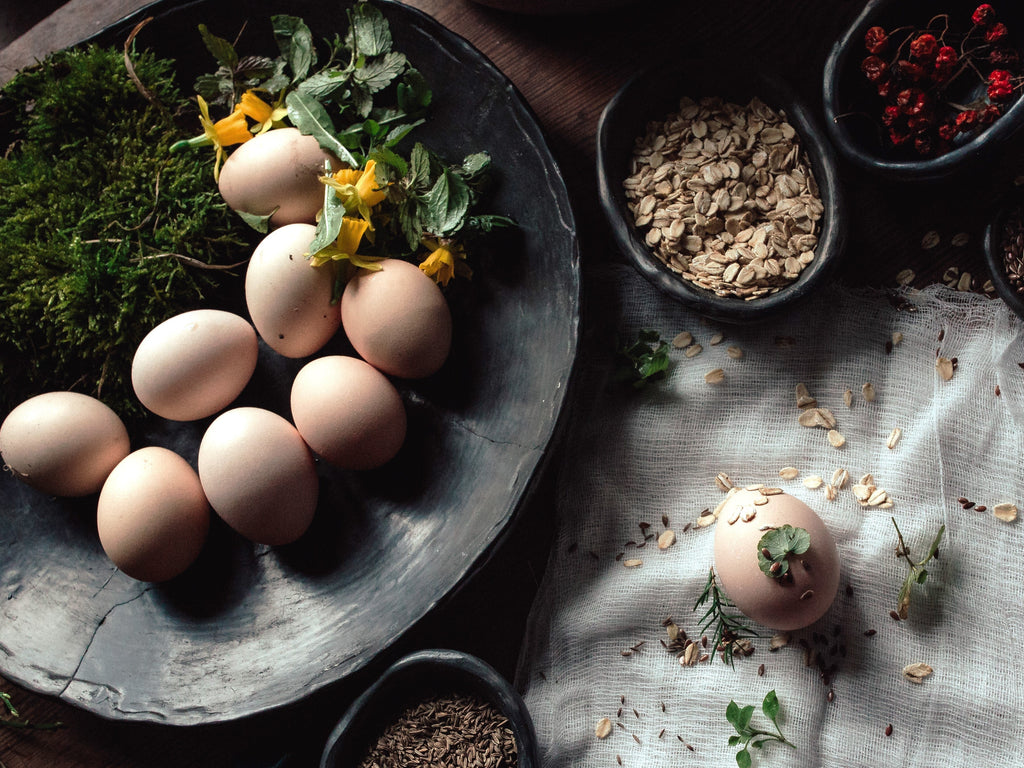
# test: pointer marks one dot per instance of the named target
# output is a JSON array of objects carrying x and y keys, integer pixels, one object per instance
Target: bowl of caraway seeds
[
  {"x": 720, "y": 188},
  {"x": 1004, "y": 252},
  {"x": 435, "y": 707}
]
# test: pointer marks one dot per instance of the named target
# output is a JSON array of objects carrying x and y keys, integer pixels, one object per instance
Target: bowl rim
[
  {"x": 992, "y": 248},
  {"x": 458, "y": 671},
  {"x": 742, "y": 80},
  {"x": 966, "y": 156}
]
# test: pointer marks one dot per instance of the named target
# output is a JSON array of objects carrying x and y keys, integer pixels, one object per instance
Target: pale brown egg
[
  {"x": 259, "y": 475},
  {"x": 194, "y": 364},
  {"x": 152, "y": 516},
  {"x": 63, "y": 443},
  {"x": 397, "y": 319},
  {"x": 289, "y": 300},
  {"x": 794, "y": 601},
  {"x": 277, "y": 170},
  {"x": 348, "y": 412}
]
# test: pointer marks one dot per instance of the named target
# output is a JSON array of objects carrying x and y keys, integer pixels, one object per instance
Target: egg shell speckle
[
  {"x": 277, "y": 169},
  {"x": 259, "y": 475},
  {"x": 194, "y": 364},
  {"x": 775, "y": 603},
  {"x": 152, "y": 516},
  {"x": 397, "y": 319},
  {"x": 63, "y": 443},
  {"x": 289, "y": 300},
  {"x": 348, "y": 412}
]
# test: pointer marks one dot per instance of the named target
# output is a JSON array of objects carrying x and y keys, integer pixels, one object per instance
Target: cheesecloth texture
[{"x": 634, "y": 457}]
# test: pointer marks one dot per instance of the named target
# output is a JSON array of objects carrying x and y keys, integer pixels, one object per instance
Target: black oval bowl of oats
[
  {"x": 919, "y": 92},
  {"x": 721, "y": 188},
  {"x": 435, "y": 707}
]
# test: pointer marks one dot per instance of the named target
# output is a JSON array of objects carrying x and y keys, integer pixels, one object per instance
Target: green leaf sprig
[
  {"x": 917, "y": 574},
  {"x": 775, "y": 547},
  {"x": 725, "y": 628},
  {"x": 15, "y": 720},
  {"x": 746, "y": 735},
  {"x": 643, "y": 360}
]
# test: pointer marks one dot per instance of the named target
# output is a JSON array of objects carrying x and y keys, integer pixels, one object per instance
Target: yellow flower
[
  {"x": 357, "y": 189},
  {"x": 227, "y": 131},
  {"x": 256, "y": 109},
  {"x": 346, "y": 247},
  {"x": 445, "y": 261}
]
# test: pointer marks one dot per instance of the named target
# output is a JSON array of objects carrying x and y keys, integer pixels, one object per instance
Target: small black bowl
[
  {"x": 853, "y": 107},
  {"x": 993, "y": 247},
  {"x": 655, "y": 94},
  {"x": 415, "y": 678}
]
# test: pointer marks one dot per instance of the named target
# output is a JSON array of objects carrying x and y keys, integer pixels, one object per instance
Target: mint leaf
[
  {"x": 369, "y": 33},
  {"x": 379, "y": 73},
  {"x": 414, "y": 94},
  {"x": 296, "y": 44},
  {"x": 222, "y": 50},
  {"x": 475, "y": 164},
  {"x": 775, "y": 547},
  {"x": 732, "y": 714},
  {"x": 419, "y": 166},
  {"x": 324, "y": 83},
  {"x": 329, "y": 225},
  {"x": 770, "y": 705},
  {"x": 309, "y": 116},
  {"x": 260, "y": 223},
  {"x": 446, "y": 204}
]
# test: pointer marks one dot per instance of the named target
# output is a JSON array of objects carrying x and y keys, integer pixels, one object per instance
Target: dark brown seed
[
  {"x": 968, "y": 505},
  {"x": 888, "y": 347},
  {"x": 942, "y": 333},
  {"x": 594, "y": 555},
  {"x": 962, "y": 500},
  {"x": 895, "y": 616},
  {"x": 704, "y": 641},
  {"x": 691, "y": 747},
  {"x": 760, "y": 671},
  {"x": 775, "y": 567},
  {"x": 619, "y": 556},
  {"x": 766, "y": 552},
  {"x": 636, "y": 714},
  {"x": 644, "y": 526},
  {"x": 619, "y": 714},
  {"x": 980, "y": 508},
  {"x": 687, "y": 527},
  {"x": 661, "y": 733},
  {"x": 618, "y": 759},
  {"x": 998, "y": 392},
  {"x": 663, "y": 706},
  {"x": 622, "y": 700},
  {"x": 888, "y": 730},
  {"x": 636, "y": 738},
  {"x": 870, "y": 633},
  {"x": 831, "y": 695},
  {"x": 664, "y": 521},
  {"x": 849, "y": 590}
]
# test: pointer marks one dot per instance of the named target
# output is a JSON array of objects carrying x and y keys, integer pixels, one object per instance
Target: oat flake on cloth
[{"x": 632, "y": 458}]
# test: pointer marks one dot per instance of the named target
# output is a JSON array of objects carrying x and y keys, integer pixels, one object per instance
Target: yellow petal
[
  {"x": 440, "y": 265},
  {"x": 351, "y": 234},
  {"x": 255, "y": 108},
  {"x": 232, "y": 129},
  {"x": 369, "y": 193}
]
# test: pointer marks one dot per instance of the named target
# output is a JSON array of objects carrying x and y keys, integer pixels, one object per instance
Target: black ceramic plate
[{"x": 251, "y": 628}]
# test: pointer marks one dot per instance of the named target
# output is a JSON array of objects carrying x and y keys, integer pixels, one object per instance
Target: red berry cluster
[{"x": 913, "y": 72}]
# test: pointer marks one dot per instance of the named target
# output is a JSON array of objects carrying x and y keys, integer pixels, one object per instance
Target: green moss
[{"x": 89, "y": 194}]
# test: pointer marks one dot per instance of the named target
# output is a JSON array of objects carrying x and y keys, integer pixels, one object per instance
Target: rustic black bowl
[
  {"x": 853, "y": 108},
  {"x": 655, "y": 94},
  {"x": 993, "y": 247},
  {"x": 417, "y": 677}
]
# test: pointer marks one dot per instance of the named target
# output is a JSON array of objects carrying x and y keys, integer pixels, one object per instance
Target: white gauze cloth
[{"x": 634, "y": 457}]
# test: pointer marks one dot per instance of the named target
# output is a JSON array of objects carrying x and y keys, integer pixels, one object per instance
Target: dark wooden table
[{"x": 567, "y": 66}]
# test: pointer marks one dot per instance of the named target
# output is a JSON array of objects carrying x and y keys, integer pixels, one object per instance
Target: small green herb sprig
[
  {"x": 775, "y": 547},
  {"x": 918, "y": 574},
  {"x": 15, "y": 720},
  {"x": 748, "y": 736},
  {"x": 642, "y": 361},
  {"x": 724, "y": 627}
]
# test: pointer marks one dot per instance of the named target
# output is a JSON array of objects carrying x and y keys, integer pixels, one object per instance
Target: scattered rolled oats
[
  {"x": 715, "y": 376},
  {"x": 789, "y": 473},
  {"x": 830, "y": 492},
  {"x": 917, "y": 672},
  {"x": 836, "y": 439},
  {"x": 693, "y": 350},
  {"x": 1005, "y": 511},
  {"x": 988, "y": 286},
  {"x": 964, "y": 283},
  {"x": 603, "y": 728},
  {"x": 839, "y": 478},
  {"x": 734, "y": 352},
  {"x": 778, "y": 641},
  {"x": 682, "y": 340},
  {"x": 868, "y": 390},
  {"x": 723, "y": 481},
  {"x": 848, "y": 398},
  {"x": 690, "y": 655},
  {"x": 666, "y": 539},
  {"x": 633, "y": 563},
  {"x": 861, "y": 492},
  {"x": 905, "y": 277},
  {"x": 945, "y": 368},
  {"x": 894, "y": 437},
  {"x": 717, "y": 339},
  {"x": 930, "y": 240},
  {"x": 950, "y": 275},
  {"x": 817, "y": 417},
  {"x": 960, "y": 239},
  {"x": 803, "y": 397},
  {"x": 813, "y": 482},
  {"x": 897, "y": 338}
]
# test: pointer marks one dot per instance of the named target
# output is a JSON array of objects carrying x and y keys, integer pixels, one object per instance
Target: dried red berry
[
  {"x": 874, "y": 68},
  {"x": 921, "y": 123},
  {"x": 912, "y": 101},
  {"x": 884, "y": 88},
  {"x": 984, "y": 14},
  {"x": 999, "y": 90},
  {"x": 1004, "y": 57},
  {"x": 898, "y": 137},
  {"x": 911, "y": 70},
  {"x": 989, "y": 114},
  {"x": 923, "y": 146},
  {"x": 966, "y": 120},
  {"x": 996, "y": 33},
  {"x": 876, "y": 40},
  {"x": 998, "y": 76},
  {"x": 947, "y": 131},
  {"x": 946, "y": 56},
  {"x": 890, "y": 115},
  {"x": 925, "y": 46}
]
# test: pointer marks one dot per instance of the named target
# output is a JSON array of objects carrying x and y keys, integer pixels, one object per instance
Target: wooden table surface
[{"x": 567, "y": 66}]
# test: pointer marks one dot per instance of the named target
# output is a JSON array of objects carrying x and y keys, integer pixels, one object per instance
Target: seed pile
[
  {"x": 454, "y": 730},
  {"x": 726, "y": 197},
  {"x": 1013, "y": 249}
]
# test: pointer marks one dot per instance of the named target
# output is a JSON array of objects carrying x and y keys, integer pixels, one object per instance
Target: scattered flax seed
[
  {"x": 603, "y": 729},
  {"x": 789, "y": 473},
  {"x": 960, "y": 239},
  {"x": 813, "y": 482},
  {"x": 666, "y": 539},
  {"x": 998, "y": 391},
  {"x": 836, "y": 439},
  {"x": 618, "y": 759},
  {"x": 905, "y": 277},
  {"x": 894, "y": 616},
  {"x": 734, "y": 352},
  {"x": 1005, "y": 511},
  {"x": 717, "y": 339},
  {"x": 980, "y": 508},
  {"x": 682, "y": 340},
  {"x": 888, "y": 730},
  {"x": 945, "y": 368},
  {"x": 930, "y": 240},
  {"x": 661, "y": 733},
  {"x": 693, "y": 350},
  {"x": 715, "y": 376},
  {"x": 868, "y": 390},
  {"x": 894, "y": 437},
  {"x": 760, "y": 671},
  {"x": 871, "y": 632},
  {"x": 917, "y": 672},
  {"x": 635, "y": 738},
  {"x": 848, "y": 398}
]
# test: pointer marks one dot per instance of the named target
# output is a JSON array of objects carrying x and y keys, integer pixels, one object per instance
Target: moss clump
[{"x": 93, "y": 210}]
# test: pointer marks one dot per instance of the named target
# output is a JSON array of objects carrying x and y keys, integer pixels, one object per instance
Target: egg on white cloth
[
  {"x": 397, "y": 319},
  {"x": 290, "y": 301},
  {"x": 803, "y": 595},
  {"x": 152, "y": 516},
  {"x": 194, "y": 364},
  {"x": 277, "y": 172},
  {"x": 63, "y": 443},
  {"x": 348, "y": 412},
  {"x": 259, "y": 475}
]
